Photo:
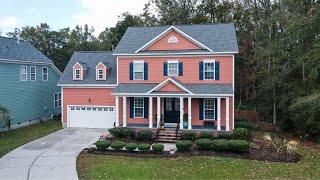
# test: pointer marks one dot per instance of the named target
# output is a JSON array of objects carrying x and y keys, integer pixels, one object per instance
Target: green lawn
[
  {"x": 118, "y": 167},
  {"x": 18, "y": 137}
]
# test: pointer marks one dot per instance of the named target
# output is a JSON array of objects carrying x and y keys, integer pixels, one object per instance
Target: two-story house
[
  {"x": 181, "y": 75},
  {"x": 28, "y": 83}
]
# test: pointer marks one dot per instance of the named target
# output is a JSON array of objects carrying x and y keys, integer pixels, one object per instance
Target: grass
[
  {"x": 18, "y": 137},
  {"x": 118, "y": 167}
]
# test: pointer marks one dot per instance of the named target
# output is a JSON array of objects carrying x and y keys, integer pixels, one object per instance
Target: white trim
[
  {"x": 173, "y": 95},
  {"x": 158, "y": 112},
  {"x": 35, "y": 73},
  {"x": 124, "y": 111},
  {"x": 204, "y": 109},
  {"x": 88, "y": 85},
  {"x": 150, "y": 111},
  {"x": 172, "y": 62},
  {"x": 26, "y": 73},
  {"x": 227, "y": 115},
  {"x": 163, "y": 83},
  {"x": 118, "y": 70},
  {"x": 42, "y": 74},
  {"x": 218, "y": 108},
  {"x": 214, "y": 69},
  {"x": 233, "y": 61},
  {"x": 117, "y": 111},
  {"x": 189, "y": 113},
  {"x": 54, "y": 99},
  {"x": 138, "y": 62},
  {"x": 134, "y": 107},
  {"x": 184, "y": 53},
  {"x": 148, "y": 44},
  {"x": 74, "y": 72},
  {"x": 104, "y": 73},
  {"x": 181, "y": 103},
  {"x": 173, "y": 40},
  {"x": 62, "y": 114}
]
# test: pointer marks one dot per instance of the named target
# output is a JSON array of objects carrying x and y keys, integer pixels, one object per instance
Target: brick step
[{"x": 169, "y": 135}]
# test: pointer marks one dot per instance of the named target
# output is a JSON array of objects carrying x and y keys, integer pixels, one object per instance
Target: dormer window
[
  {"x": 101, "y": 71},
  {"x": 100, "y": 74},
  {"x": 173, "y": 40},
  {"x": 78, "y": 72}
]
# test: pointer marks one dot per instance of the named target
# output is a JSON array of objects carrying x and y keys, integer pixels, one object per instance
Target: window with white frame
[
  {"x": 100, "y": 74},
  {"x": 209, "y": 70},
  {"x": 32, "y": 73},
  {"x": 77, "y": 74},
  {"x": 57, "y": 100},
  {"x": 173, "y": 40},
  {"x": 173, "y": 68},
  {"x": 209, "y": 109},
  {"x": 45, "y": 74},
  {"x": 138, "y": 107},
  {"x": 23, "y": 73},
  {"x": 138, "y": 70}
]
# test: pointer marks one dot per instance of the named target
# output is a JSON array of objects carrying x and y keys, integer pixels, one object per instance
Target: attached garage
[{"x": 91, "y": 116}]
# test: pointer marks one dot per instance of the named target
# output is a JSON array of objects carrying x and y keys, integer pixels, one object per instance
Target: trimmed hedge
[
  {"x": 158, "y": 147},
  {"x": 188, "y": 135},
  {"x": 183, "y": 145},
  {"x": 128, "y": 133},
  {"x": 145, "y": 135},
  {"x": 131, "y": 146},
  {"x": 226, "y": 135},
  {"x": 117, "y": 145},
  {"x": 102, "y": 145},
  {"x": 206, "y": 135},
  {"x": 144, "y": 147},
  {"x": 241, "y": 133},
  {"x": 220, "y": 144},
  {"x": 116, "y": 132},
  {"x": 244, "y": 124},
  {"x": 239, "y": 146},
  {"x": 204, "y": 144}
]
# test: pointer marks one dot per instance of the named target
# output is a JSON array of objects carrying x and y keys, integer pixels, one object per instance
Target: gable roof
[
  {"x": 172, "y": 80},
  {"x": 14, "y": 50},
  {"x": 220, "y": 38},
  {"x": 90, "y": 60}
]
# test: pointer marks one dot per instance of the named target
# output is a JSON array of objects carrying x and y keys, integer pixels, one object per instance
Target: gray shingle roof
[
  {"x": 91, "y": 60},
  {"x": 11, "y": 49},
  {"x": 194, "y": 88},
  {"x": 217, "y": 37}
]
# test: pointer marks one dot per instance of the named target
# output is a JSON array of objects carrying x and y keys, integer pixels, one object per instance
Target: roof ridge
[
  {"x": 93, "y": 51},
  {"x": 12, "y": 38},
  {"x": 168, "y": 25}
]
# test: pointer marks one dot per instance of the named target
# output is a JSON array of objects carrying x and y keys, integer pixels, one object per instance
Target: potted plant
[{"x": 185, "y": 120}]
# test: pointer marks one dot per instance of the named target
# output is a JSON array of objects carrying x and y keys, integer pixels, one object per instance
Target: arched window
[{"x": 173, "y": 40}]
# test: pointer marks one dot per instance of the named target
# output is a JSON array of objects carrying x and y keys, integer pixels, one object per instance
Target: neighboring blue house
[{"x": 28, "y": 83}]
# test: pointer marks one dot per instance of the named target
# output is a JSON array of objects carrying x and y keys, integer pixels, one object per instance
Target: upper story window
[
  {"x": 138, "y": 70},
  {"x": 45, "y": 74},
  {"x": 209, "y": 70},
  {"x": 33, "y": 73},
  {"x": 23, "y": 73},
  {"x": 138, "y": 107},
  {"x": 100, "y": 74},
  {"x": 57, "y": 100},
  {"x": 77, "y": 74},
  {"x": 173, "y": 68},
  {"x": 173, "y": 40},
  {"x": 209, "y": 109}
]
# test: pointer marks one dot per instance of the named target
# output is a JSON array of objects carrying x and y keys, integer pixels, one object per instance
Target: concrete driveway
[{"x": 51, "y": 157}]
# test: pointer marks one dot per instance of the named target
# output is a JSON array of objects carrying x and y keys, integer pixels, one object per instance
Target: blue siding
[{"x": 27, "y": 100}]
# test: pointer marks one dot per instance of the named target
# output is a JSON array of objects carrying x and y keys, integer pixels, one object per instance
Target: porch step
[{"x": 168, "y": 135}]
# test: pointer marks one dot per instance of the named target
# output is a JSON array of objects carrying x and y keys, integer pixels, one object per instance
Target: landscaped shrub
[
  {"x": 102, "y": 145},
  {"x": 206, "y": 135},
  {"x": 116, "y": 132},
  {"x": 226, "y": 135},
  {"x": 241, "y": 133},
  {"x": 145, "y": 135},
  {"x": 131, "y": 146},
  {"x": 183, "y": 145},
  {"x": 239, "y": 145},
  {"x": 188, "y": 135},
  {"x": 158, "y": 147},
  {"x": 144, "y": 147},
  {"x": 203, "y": 144},
  {"x": 243, "y": 124},
  {"x": 128, "y": 133},
  {"x": 117, "y": 145},
  {"x": 220, "y": 144}
]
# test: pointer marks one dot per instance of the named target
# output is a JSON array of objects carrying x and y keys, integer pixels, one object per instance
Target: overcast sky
[{"x": 65, "y": 13}]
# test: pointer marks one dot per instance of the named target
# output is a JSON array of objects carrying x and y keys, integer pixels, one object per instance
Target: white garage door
[{"x": 91, "y": 117}]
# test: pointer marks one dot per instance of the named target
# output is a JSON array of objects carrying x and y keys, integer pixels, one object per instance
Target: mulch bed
[{"x": 254, "y": 154}]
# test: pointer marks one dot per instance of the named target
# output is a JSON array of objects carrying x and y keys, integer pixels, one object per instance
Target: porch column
[
  {"x": 189, "y": 113},
  {"x": 181, "y": 112},
  {"x": 219, "y": 114},
  {"x": 124, "y": 111},
  {"x": 150, "y": 112},
  {"x": 158, "y": 112},
  {"x": 227, "y": 114},
  {"x": 117, "y": 111}
]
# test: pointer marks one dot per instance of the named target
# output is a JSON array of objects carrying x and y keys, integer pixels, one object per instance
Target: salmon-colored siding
[
  {"x": 170, "y": 87},
  {"x": 86, "y": 96},
  {"x": 190, "y": 69},
  {"x": 183, "y": 43}
]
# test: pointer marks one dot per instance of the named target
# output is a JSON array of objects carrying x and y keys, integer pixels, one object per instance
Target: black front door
[{"x": 171, "y": 110}]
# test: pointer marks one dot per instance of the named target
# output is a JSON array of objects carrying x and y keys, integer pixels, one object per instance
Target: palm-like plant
[{"x": 281, "y": 144}]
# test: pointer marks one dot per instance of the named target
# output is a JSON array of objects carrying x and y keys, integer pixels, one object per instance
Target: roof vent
[{"x": 17, "y": 33}]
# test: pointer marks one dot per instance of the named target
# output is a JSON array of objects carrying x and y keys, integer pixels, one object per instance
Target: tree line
[{"x": 277, "y": 68}]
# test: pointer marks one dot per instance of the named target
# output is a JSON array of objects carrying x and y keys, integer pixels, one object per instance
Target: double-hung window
[
  {"x": 209, "y": 70},
  {"x": 44, "y": 74},
  {"x": 77, "y": 74},
  {"x": 23, "y": 73},
  {"x": 138, "y": 107},
  {"x": 32, "y": 73},
  {"x": 57, "y": 100},
  {"x": 138, "y": 70},
  {"x": 173, "y": 68},
  {"x": 100, "y": 74},
  {"x": 209, "y": 109}
]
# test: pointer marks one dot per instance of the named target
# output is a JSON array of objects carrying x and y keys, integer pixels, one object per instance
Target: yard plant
[
  {"x": 102, "y": 144},
  {"x": 239, "y": 146},
  {"x": 158, "y": 147},
  {"x": 188, "y": 135},
  {"x": 117, "y": 145},
  {"x": 204, "y": 144},
  {"x": 144, "y": 147},
  {"x": 131, "y": 146},
  {"x": 183, "y": 145},
  {"x": 220, "y": 144},
  {"x": 145, "y": 135}
]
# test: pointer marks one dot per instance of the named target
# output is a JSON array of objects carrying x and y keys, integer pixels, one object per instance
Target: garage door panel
[{"x": 91, "y": 117}]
